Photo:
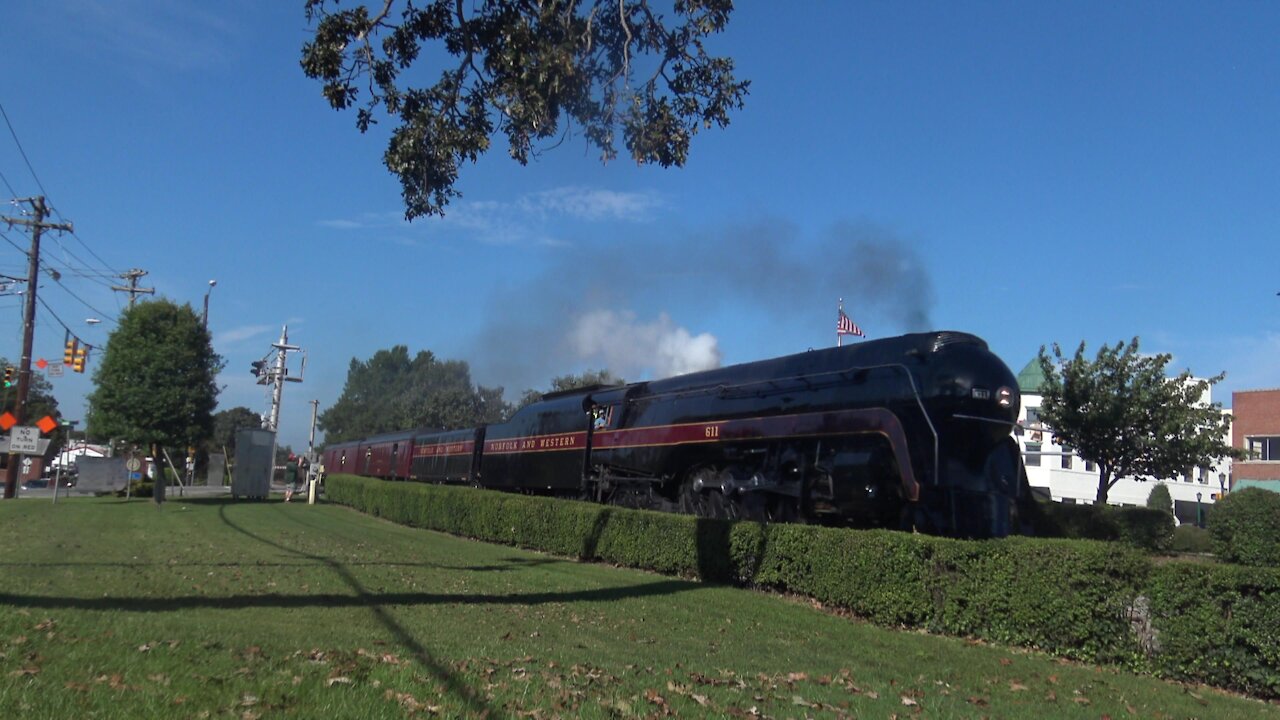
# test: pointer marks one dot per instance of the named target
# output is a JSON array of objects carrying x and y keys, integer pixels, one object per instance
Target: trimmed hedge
[
  {"x": 1191, "y": 539},
  {"x": 1081, "y": 599},
  {"x": 1245, "y": 527},
  {"x": 1143, "y": 528}
]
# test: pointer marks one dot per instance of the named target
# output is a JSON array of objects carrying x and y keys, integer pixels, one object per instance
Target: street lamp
[
  {"x": 204, "y": 319},
  {"x": 1199, "y": 514}
]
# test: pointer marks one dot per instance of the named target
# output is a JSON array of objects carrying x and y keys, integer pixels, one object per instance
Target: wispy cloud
[
  {"x": 240, "y": 334},
  {"x": 591, "y": 204},
  {"x": 531, "y": 219},
  {"x": 181, "y": 36}
]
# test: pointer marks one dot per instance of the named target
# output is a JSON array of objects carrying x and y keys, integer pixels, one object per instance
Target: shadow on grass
[{"x": 362, "y": 598}]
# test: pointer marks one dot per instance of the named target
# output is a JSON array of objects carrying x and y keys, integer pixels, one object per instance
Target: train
[{"x": 911, "y": 432}]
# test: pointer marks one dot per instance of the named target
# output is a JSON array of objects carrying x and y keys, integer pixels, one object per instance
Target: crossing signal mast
[{"x": 277, "y": 374}]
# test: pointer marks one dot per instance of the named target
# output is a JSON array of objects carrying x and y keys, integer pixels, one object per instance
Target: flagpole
[{"x": 839, "y": 337}]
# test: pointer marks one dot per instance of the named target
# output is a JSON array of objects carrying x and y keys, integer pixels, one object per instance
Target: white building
[
  {"x": 74, "y": 451},
  {"x": 1056, "y": 470}
]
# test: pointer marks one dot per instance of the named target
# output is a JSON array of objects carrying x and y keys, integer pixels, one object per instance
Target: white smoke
[{"x": 633, "y": 349}]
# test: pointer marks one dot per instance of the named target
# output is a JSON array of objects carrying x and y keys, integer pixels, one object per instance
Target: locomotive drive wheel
[{"x": 708, "y": 502}]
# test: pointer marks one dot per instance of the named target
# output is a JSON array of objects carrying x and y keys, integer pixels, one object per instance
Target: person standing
[{"x": 290, "y": 476}]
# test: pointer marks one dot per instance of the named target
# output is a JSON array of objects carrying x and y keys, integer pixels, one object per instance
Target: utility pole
[
  {"x": 311, "y": 439},
  {"x": 278, "y": 375},
  {"x": 134, "y": 291},
  {"x": 37, "y": 225}
]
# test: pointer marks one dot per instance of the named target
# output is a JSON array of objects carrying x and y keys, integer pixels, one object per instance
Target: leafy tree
[
  {"x": 155, "y": 383},
  {"x": 526, "y": 69},
  {"x": 561, "y": 383},
  {"x": 1121, "y": 412},
  {"x": 392, "y": 392},
  {"x": 40, "y": 399},
  {"x": 1159, "y": 498},
  {"x": 227, "y": 422}
]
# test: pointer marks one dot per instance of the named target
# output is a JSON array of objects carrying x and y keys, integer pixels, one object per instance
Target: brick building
[{"x": 1256, "y": 431}]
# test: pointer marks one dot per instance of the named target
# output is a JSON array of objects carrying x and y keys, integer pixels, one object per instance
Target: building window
[
  {"x": 1033, "y": 416},
  {"x": 1088, "y": 466},
  {"x": 1066, "y": 458},
  {"x": 1265, "y": 449},
  {"x": 1033, "y": 454}
]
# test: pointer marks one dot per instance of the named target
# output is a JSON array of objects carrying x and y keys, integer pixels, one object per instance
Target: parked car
[{"x": 35, "y": 484}]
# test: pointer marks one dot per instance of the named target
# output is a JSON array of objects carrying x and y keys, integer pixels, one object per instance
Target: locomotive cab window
[{"x": 602, "y": 417}]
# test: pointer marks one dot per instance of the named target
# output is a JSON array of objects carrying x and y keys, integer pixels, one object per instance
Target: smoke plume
[{"x": 584, "y": 311}]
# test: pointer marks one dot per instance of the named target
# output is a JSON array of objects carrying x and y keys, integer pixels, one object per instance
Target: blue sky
[{"x": 1030, "y": 173}]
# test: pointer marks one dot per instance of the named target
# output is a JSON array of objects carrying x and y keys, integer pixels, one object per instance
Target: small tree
[
  {"x": 1160, "y": 499},
  {"x": 1121, "y": 412},
  {"x": 155, "y": 383}
]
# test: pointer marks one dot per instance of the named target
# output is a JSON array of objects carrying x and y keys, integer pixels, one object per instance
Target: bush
[
  {"x": 1191, "y": 539},
  {"x": 1160, "y": 499},
  {"x": 1245, "y": 527},
  {"x": 1143, "y": 528},
  {"x": 1218, "y": 624}
]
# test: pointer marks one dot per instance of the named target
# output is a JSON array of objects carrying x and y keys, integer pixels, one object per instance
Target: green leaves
[
  {"x": 390, "y": 392},
  {"x": 534, "y": 70},
  {"x": 155, "y": 383},
  {"x": 1121, "y": 411}
]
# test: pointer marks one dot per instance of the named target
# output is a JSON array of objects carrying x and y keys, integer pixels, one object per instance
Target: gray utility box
[
  {"x": 255, "y": 459},
  {"x": 101, "y": 475}
]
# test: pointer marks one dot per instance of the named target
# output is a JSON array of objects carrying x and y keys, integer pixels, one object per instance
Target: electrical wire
[
  {"x": 12, "y": 193},
  {"x": 22, "y": 152},
  {"x": 13, "y": 133}
]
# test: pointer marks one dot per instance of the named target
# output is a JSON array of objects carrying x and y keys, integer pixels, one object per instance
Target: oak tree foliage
[
  {"x": 1120, "y": 411},
  {"x": 561, "y": 383},
  {"x": 391, "y": 391},
  {"x": 225, "y": 425},
  {"x": 527, "y": 70},
  {"x": 155, "y": 382}
]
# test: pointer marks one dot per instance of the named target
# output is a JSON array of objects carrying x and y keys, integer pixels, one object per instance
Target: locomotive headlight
[{"x": 1004, "y": 397}]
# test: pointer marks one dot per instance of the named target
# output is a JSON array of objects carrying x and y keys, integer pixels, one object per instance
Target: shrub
[
  {"x": 1218, "y": 624},
  {"x": 1143, "y": 528},
  {"x": 1159, "y": 498},
  {"x": 1191, "y": 539},
  {"x": 1245, "y": 527}
]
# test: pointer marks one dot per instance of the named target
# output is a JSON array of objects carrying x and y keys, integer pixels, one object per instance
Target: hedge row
[
  {"x": 1144, "y": 528},
  {"x": 1081, "y": 599}
]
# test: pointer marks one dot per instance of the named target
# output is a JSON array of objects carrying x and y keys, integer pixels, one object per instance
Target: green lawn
[{"x": 214, "y": 609}]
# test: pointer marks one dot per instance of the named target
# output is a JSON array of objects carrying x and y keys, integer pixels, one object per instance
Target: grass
[{"x": 214, "y": 609}]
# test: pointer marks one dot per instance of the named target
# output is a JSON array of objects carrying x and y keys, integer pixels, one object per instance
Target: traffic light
[
  {"x": 69, "y": 352},
  {"x": 8, "y": 376},
  {"x": 258, "y": 366},
  {"x": 82, "y": 354}
]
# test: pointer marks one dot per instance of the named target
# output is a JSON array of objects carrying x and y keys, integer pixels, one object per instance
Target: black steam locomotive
[{"x": 910, "y": 432}]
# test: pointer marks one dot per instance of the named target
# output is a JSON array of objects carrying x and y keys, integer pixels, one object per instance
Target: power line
[
  {"x": 23, "y": 153},
  {"x": 39, "y": 184},
  {"x": 12, "y": 192}
]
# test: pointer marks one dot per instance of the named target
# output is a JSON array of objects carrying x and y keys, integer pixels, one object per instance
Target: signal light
[
  {"x": 82, "y": 354},
  {"x": 258, "y": 367},
  {"x": 69, "y": 352},
  {"x": 8, "y": 376}
]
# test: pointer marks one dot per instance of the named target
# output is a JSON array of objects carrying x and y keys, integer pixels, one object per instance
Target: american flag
[{"x": 845, "y": 326}]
